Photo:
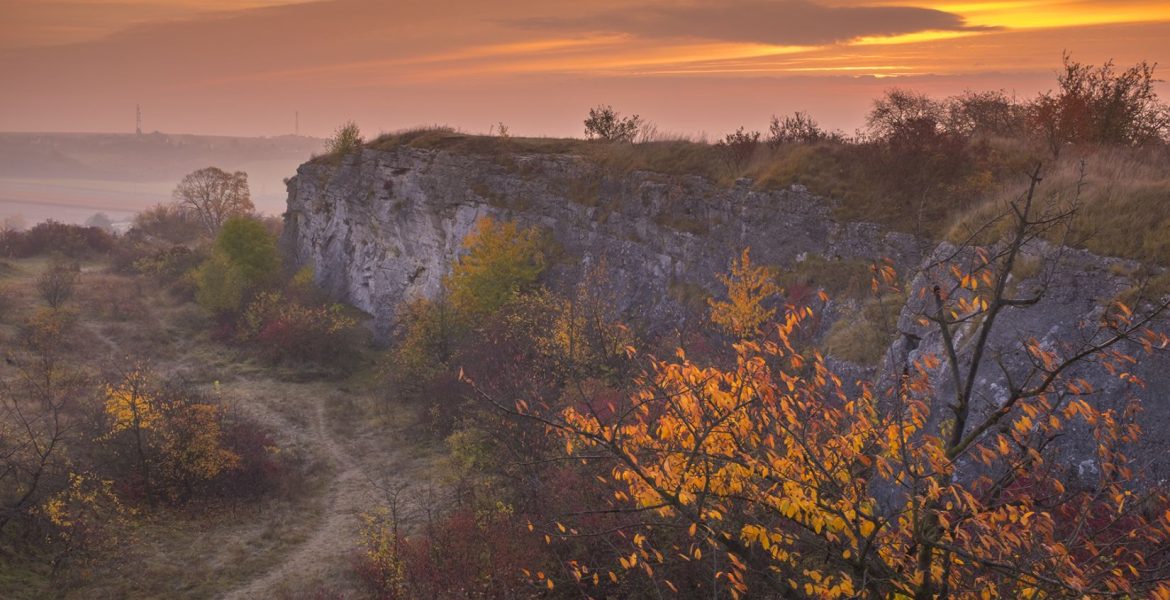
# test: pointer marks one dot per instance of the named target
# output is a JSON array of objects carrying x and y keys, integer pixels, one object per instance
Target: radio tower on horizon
[
  {"x": 138, "y": 119},
  {"x": 297, "y": 126}
]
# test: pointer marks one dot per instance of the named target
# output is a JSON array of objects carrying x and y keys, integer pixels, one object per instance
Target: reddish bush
[
  {"x": 262, "y": 469},
  {"x": 286, "y": 331},
  {"x": 73, "y": 241},
  {"x": 464, "y": 554}
]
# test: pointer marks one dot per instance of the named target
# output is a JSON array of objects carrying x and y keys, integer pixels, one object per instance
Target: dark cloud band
[{"x": 782, "y": 22}]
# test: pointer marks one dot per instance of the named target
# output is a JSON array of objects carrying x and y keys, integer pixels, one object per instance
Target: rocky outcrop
[
  {"x": 1074, "y": 289},
  {"x": 381, "y": 227}
]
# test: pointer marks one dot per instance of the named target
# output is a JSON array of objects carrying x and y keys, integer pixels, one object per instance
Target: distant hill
[{"x": 69, "y": 176}]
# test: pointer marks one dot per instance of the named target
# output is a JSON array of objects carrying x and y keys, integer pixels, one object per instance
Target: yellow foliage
[
  {"x": 130, "y": 405},
  {"x": 180, "y": 439},
  {"x": 749, "y": 287},
  {"x": 380, "y": 547},
  {"x": 805, "y": 471},
  {"x": 500, "y": 260}
]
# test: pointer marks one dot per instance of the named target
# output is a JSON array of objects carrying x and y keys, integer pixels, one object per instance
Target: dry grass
[
  {"x": 1122, "y": 199},
  {"x": 852, "y": 175},
  {"x": 840, "y": 278},
  {"x": 863, "y": 336}
]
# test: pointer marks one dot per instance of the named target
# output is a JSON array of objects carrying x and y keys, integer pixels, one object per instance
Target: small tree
[
  {"x": 58, "y": 281},
  {"x": 346, "y": 140},
  {"x": 604, "y": 123},
  {"x": 214, "y": 196},
  {"x": 903, "y": 113},
  {"x": 501, "y": 260},
  {"x": 38, "y": 412},
  {"x": 739, "y": 147},
  {"x": 749, "y": 288}
]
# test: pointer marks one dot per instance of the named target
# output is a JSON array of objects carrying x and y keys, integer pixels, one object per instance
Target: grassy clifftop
[{"x": 936, "y": 191}]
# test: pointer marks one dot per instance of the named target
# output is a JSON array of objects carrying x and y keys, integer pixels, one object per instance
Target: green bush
[
  {"x": 244, "y": 261},
  {"x": 346, "y": 140},
  {"x": 219, "y": 285}
]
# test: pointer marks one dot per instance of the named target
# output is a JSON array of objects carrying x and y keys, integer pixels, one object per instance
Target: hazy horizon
[
  {"x": 697, "y": 68},
  {"x": 247, "y": 67}
]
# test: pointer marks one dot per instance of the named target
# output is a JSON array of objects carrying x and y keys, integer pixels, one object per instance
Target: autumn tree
[
  {"x": 499, "y": 260},
  {"x": 750, "y": 288},
  {"x": 38, "y": 420},
  {"x": 214, "y": 196},
  {"x": 131, "y": 408},
  {"x": 426, "y": 342},
  {"x": 793, "y": 484},
  {"x": 1102, "y": 105},
  {"x": 176, "y": 441}
]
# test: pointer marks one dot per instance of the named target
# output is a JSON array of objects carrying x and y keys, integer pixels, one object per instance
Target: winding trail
[
  {"x": 362, "y": 463},
  {"x": 350, "y": 491}
]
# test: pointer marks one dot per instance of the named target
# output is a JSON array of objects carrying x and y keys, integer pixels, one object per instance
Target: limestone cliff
[{"x": 382, "y": 226}]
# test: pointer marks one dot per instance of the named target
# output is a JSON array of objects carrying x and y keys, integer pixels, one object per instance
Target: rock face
[
  {"x": 382, "y": 226},
  {"x": 1075, "y": 290}
]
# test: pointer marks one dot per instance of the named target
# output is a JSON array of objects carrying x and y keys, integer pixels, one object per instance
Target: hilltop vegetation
[{"x": 922, "y": 165}]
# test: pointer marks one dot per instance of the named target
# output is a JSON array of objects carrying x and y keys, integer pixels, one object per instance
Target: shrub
[
  {"x": 243, "y": 262},
  {"x": 604, "y": 123},
  {"x": 426, "y": 344},
  {"x": 799, "y": 128},
  {"x": 289, "y": 332},
  {"x": 738, "y": 148},
  {"x": 1100, "y": 105},
  {"x": 167, "y": 440},
  {"x": 51, "y": 237},
  {"x": 57, "y": 282},
  {"x": 220, "y": 286},
  {"x": 346, "y": 140},
  {"x": 477, "y": 552},
  {"x": 251, "y": 248},
  {"x": 169, "y": 264}
]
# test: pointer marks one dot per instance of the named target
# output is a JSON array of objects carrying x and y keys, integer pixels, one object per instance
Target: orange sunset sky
[{"x": 244, "y": 67}]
